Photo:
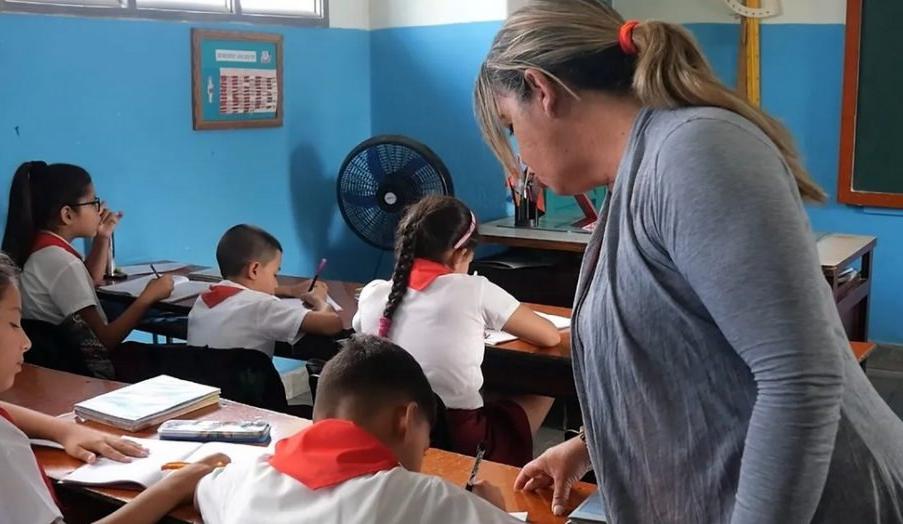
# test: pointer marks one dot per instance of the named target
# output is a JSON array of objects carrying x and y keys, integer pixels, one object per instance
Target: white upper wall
[
  {"x": 381, "y": 14},
  {"x": 716, "y": 11},
  {"x": 349, "y": 14},
  {"x": 406, "y": 13}
]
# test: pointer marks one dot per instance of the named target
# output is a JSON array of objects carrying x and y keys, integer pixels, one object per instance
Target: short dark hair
[
  {"x": 9, "y": 273},
  {"x": 243, "y": 244},
  {"x": 372, "y": 370}
]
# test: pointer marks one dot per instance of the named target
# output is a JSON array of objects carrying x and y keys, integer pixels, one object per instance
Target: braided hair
[{"x": 428, "y": 230}]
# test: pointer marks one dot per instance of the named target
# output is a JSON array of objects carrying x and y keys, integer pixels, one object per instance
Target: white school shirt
[
  {"x": 257, "y": 492},
  {"x": 444, "y": 328},
  {"x": 247, "y": 320},
  {"x": 55, "y": 284},
  {"x": 24, "y": 498}
]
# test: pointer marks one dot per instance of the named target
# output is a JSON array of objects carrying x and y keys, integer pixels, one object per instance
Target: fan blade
[
  {"x": 409, "y": 170},
  {"x": 375, "y": 165},
  {"x": 360, "y": 200}
]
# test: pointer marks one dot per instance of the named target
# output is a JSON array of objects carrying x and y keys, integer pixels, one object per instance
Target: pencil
[
  {"x": 317, "y": 274},
  {"x": 155, "y": 271},
  {"x": 179, "y": 465},
  {"x": 476, "y": 467}
]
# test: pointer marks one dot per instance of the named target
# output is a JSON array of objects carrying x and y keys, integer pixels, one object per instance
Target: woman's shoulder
[{"x": 703, "y": 127}]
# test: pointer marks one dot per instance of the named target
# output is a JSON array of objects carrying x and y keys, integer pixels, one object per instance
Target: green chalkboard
[{"x": 872, "y": 130}]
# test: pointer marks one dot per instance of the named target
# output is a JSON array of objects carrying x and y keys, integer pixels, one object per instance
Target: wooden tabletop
[
  {"x": 502, "y": 231},
  {"x": 342, "y": 292},
  {"x": 55, "y": 393},
  {"x": 836, "y": 251}
]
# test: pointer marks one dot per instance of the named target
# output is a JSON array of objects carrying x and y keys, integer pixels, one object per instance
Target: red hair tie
[
  {"x": 385, "y": 324},
  {"x": 625, "y": 37}
]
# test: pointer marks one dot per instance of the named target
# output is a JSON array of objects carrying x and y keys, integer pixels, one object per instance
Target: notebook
[
  {"x": 494, "y": 337},
  {"x": 590, "y": 510},
  {"x": 182, "y": 288},
  {"x": 147, "y": 403},
  {"x": 145, "y": 472},
  {"x": 146, "y": 269},
  {"x": 211, "y": 274}
]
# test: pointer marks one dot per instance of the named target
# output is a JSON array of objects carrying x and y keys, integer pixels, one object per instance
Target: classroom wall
[
  {"x": 114, "y": 96},
  {"x": 423, "y": 75}
]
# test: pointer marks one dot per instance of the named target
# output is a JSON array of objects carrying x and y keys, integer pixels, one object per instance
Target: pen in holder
[{"x": 525, "y": 193}]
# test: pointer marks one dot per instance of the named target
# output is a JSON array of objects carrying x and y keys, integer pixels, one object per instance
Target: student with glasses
[{"x": 49, "y": 207}]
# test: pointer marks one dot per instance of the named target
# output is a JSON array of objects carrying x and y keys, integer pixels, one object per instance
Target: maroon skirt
[{"x": 501, "y": 426}]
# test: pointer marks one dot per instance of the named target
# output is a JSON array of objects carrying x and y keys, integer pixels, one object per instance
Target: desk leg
[{"x": 865, "y": 272}]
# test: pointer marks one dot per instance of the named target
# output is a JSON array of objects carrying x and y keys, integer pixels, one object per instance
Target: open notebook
[
  {"x": 145, "y": 472},
  {"x": 182, "y": 288},
  {"x": 494, "y": 337},
  {"x": 591, "y": 510}
]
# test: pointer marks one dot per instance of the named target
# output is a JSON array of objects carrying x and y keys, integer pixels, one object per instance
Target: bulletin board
[{"x": 236, "y": 79}]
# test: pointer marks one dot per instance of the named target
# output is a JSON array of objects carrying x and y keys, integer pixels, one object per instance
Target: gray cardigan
[{"x": 715, "y": 379}]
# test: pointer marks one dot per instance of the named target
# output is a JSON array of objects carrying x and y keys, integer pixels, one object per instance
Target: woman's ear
[{"x": 544, "y": 90}]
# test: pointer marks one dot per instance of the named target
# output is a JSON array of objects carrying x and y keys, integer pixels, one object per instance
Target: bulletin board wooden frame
[
  {"x": 846, "y": 193},
  {"x": 233, "y": 77}
]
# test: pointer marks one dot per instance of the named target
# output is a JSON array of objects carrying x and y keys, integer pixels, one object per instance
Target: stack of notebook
[{"x": 147, "y": 403}]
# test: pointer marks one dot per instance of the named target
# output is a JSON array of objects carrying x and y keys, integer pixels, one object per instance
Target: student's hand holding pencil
[
  {"x": 490, "y": 493},
  {"x": 183, "y": 481},
  {"x": 157, "y": 289}
]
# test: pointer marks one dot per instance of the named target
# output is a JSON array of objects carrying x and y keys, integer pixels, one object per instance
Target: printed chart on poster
[{"x": 236, "y": 79}]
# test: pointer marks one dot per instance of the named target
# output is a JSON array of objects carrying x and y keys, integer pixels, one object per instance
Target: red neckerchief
[
  {"x": 218, "y": 294},
  {"x": 424, "y": 272},
  {"x": 47, "y": 482},
  {"x": 330, "y": 452},
  {"x": 47, "y": 239}
]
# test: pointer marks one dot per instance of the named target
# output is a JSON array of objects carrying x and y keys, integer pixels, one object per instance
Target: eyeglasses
[{"x": 96, "y": 203}]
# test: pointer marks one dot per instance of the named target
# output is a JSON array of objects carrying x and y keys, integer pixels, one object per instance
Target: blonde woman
[{"x": 715, "y": 379}]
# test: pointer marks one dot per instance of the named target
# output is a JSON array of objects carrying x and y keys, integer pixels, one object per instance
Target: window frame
[{"x": 129, "y": 10}]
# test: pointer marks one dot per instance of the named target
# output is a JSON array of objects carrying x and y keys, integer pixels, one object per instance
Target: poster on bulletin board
[{"x": 236, "y": 79}]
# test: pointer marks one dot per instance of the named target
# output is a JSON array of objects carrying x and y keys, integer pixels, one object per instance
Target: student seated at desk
[
  {"x": 26, "y": 494},
  {"x": 360, "y": 459},
  {"x": 439, "y": 313},
  {"x": 244, "y": 311},
  {"x": 49, "y": 206}
]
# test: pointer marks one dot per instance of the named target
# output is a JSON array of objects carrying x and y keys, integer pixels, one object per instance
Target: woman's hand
[
  {"x": 85, "y": 444},
  {"x": 108, "y": 222},
  {"x": 560, "y": 467}
]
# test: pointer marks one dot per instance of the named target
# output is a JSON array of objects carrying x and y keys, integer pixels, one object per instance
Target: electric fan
[{"x": 380, "y": 178}]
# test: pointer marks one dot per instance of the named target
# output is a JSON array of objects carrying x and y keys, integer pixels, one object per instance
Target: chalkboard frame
[{"x": 846, "y": 193}]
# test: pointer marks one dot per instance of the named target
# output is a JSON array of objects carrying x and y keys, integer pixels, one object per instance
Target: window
[
  {"x": 189, "y": 6},
  {"x": 296, "y": 12}
]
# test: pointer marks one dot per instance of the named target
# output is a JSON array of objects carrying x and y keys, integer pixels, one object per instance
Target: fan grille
[{"x": 380, "y": 178}]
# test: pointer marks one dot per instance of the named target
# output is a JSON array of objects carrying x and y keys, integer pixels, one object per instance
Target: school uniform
[
  {"x": 232, "y": 316},
  {"x": 442, "y": 322},
  {"x": 56, "y": 286},
  {"x": 335, "y": 472},
  {"x": 55, "y": 281},
  {"x": 26, "y": 495}
]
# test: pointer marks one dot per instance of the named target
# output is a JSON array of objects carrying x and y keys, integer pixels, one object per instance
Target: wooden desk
[
  {"x": 342, "y": 292},
  {"x": 502, "y": 231},
  {"x": 837, "y": 252},
  {"x": 55, "y": 392}
]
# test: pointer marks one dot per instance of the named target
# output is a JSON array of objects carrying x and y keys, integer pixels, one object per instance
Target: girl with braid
[{"x": 439, "y": 313}]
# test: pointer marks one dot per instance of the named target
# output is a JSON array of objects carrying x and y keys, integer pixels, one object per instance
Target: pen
[
  {"x": 317, "y": 275},
  {"x": 179, "y": 465},
  {"x": 476, "y": 467},
  {"x": 155, "y": 271}
]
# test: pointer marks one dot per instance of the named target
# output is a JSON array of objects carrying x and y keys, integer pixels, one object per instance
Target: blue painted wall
[
  {"x": 114, "y": 96},
  {"x": 422, "y": 86}
]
